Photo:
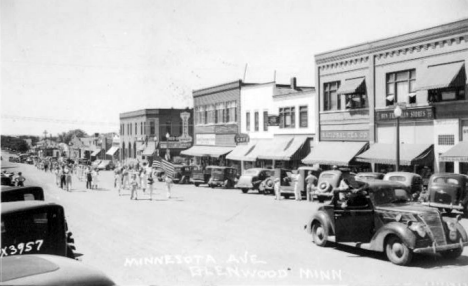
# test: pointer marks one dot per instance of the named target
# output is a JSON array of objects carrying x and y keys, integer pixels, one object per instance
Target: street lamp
[{"x": 397, "y": 113}]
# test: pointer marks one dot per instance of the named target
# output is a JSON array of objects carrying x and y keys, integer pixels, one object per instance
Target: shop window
[
  {"x": 247, "y": 121},
  {"x": 265, "y": 120},
  {"x": 330, "y": 95},
  {"x": 256, "y": 121},
  {"x": 446, "y": 140},
  {"x": 446, "y": 94},
  {"x": 401, "y": 87},
  {"x": 303, "y": 120},
  {"x": 287, "y": 117},
  {"x": 168, "y": 128}
]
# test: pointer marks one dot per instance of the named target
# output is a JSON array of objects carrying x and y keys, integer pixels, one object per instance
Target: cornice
[{"x": 217, "y": 88}]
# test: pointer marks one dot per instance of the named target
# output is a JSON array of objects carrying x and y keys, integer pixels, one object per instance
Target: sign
[
  {"x": 359, "y": 135},
  {"x": 408, "y": 114},
  {"x": 242, "y": 138},
  {"x": 273, "y": 120},
  {"x": 185, "y": 137},
  {"x": 174, "y": 145},
  {"x": 206, "y": 139}
]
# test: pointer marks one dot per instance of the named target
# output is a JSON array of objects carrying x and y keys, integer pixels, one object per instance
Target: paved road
[{"x": 206, "y": 236}]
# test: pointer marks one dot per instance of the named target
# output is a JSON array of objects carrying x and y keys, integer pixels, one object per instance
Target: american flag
[{"x": 167, "y": 166}]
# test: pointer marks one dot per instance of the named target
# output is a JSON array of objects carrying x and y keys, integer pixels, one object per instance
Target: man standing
[
  {"x": 169, "y": 183},
  {"x": 297, "y": 191},
  {"x": 311, "y": 184},
  {"x": 20, "y": 180}
]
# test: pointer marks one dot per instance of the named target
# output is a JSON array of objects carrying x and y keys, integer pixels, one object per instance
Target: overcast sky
[{"x": 78, "y": 64}]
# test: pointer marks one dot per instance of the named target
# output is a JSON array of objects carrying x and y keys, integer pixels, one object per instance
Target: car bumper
[
  {"x": 440, "y": 248},
  {"x": 444, "y": 206},
  {"x": 244, "y": 186}
]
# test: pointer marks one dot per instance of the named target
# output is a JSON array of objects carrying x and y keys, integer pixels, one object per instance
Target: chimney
[{"x": 293, "y": 83}]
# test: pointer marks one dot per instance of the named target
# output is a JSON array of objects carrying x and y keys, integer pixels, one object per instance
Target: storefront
[{"x": 340, "y": 154}]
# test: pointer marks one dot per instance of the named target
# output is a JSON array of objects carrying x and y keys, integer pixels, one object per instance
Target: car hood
[{"x": 413, "y": 207}]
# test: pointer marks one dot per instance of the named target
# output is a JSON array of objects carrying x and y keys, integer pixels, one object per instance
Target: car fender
[
  {"x": 395, "y": 228},
  {"x": 461, "y": 230},
  {"x": 322, "y": 217}
]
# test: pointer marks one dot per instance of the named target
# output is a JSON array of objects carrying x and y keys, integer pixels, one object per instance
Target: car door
[{"x": 354, "y": 217}]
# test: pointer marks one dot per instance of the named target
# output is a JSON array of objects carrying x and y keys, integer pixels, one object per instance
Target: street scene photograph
[{"x": 222, "y": 142}]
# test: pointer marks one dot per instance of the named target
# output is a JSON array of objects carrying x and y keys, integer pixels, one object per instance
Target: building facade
[
  {"x": 155, "y": 132},
  {"x": 359, "y": 87}
]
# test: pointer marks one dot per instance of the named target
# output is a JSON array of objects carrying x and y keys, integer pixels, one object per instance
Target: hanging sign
[{"x": 241, "y": 138}]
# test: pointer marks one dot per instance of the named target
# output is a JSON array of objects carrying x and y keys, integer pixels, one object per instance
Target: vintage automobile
[
  {"x": 329, "y": 181},
  {"x": 42, "y": 269},
  {"x": 223, "y": 177},
  {"x": 412, "y": 181},
  {"x": 14, "y": 159},
  {"x": 7, "y": 179},
  {"x": 287, "y": 188},
  {"x": 30, "y": 193},
  {"x": 449, "y": 192},
  {"x": 381, "y": 217},
  {"x": 369, "y": 176},
  {"x": 183, "y": 173},
  {"x": 285, "y": 175},
  {"x": 35, "y": 227},
  {"x": 252, "y": 178},
  {"x": 201, "y": 176}
]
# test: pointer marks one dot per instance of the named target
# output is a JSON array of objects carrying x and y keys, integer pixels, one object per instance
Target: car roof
[
  {"x": 369, "y": 173},
  {"x": 401, "y": 174},
  {"x": 380, "y": 183},
  {"x": 6, "y": 189},
  {"x": 449, "y": 175},
  {"x": 49, "y": 270},
  {"x": 9, "y": 207}
]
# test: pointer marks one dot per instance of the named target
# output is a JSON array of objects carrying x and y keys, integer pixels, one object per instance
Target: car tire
[
  {"x": 319, "y": 234},
  {"x": 197, "y": 184},
  {"x": 452, "y": 253},
  {"x": 286, "y": 196},
  {"x": 244, "y": 191},
  {"x": 397, "y": 252}
]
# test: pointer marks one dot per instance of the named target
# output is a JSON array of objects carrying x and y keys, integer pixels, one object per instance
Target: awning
[
  {"x": 420, "y": 154},
  {"x": 112, "y": 150},
  {"x": 355, "y": 85},
  {"x": 458, "y": 153},
  {"x": 207, "y": 151},
  {"x": 442, "y": 76},
  {"x": 239, "y": 153},
  {"x": 141, "y": 147},
  {"x": 95, "y": 152},
  {"x": 334, "y": 153},
  {"x": 282, "y": 148},
  {"x": 149, "y": 150}
]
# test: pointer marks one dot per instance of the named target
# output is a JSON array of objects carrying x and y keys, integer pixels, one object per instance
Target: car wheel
[
  {"x": 197, "y": 184},
  {"x": 319, "y": 234},
  {"x": 452, "y": 253},
  {"x": 449, "y": 211},
  {"x": 397, "y": 252},
  {"x": 244, "y": 191}
]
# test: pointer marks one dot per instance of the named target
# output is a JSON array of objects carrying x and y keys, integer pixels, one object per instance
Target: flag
[
  {"x": 157, "y": 162},
  {"x": 168, "y": 168}
]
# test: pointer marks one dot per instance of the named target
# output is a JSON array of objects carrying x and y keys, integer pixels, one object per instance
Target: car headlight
[
  {"x": 418, "y": 227},
  {"x": 452, "y": 230}
]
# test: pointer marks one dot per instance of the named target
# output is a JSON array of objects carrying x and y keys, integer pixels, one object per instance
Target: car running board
[{"x": 361, "y": 245}]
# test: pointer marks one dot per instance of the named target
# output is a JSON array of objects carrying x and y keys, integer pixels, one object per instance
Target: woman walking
[
  {"x": 69, "y": 181},
  {"x": 169, "y": 183},
  {"x": 134, "y": 186},
  {"x": 150, "y": 182},
  {"x": 89, "y": 179}
]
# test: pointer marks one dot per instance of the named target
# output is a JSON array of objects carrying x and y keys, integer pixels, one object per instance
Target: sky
[{"x": 68, "y": 64}]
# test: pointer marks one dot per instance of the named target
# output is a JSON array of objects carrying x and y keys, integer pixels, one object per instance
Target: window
[
  {"x": 247, "y": 121},
  {"x": 210, "y": 114},
  {"x": 256, "y": 121},
  {"x": 231, "y": 115},
  {"x": 287, "y": 117},
  {"x": 446, "y": 94},
  {"x": 446, "y": 140},
  {"x": 400, "y": 87},
  {"x": 136, "y": 128},
  {"x": 303, "y": 120},
  {"x": 354, "y": 101},
  {"x": 219, "y": 118},
  {"x": 265, "y": 120},
  {"x": 152, "y": 128},
  {"x": 141, "y": 128},
  {"x": 200, "y": 115},
  {"x": 330, "y": 97},
  {"x": 168, "y": 128}
]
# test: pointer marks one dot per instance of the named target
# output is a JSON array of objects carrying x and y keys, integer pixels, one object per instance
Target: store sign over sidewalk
[
  {"x": 408, "y": 114},
  {"x": 359, "y": 135},
  {"x": 241, "y": 138}
]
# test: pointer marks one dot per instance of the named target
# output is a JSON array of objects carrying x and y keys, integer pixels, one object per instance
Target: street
[{"x": 204, "y": 236}]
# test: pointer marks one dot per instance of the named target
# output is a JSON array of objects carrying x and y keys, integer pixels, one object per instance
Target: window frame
[
  {"x": 247, "y": 120},
  {"x": 392, "y": 80},
  {"x": 265, "y": 120},
  {"x": 330, "y": 90},
  {"x": 256, "y": 121},
  {"x": 301, "y": 112}
]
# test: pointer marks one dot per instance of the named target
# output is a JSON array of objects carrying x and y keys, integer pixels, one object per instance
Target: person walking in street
[
  {"x": 150, "y": 182},
  {"x": 134, "y": 186},
  {"x": 297, "y": 191},
  {"x": 125, "y": 177},
  {"x": 143, "y": 179},
  {"x": 277, "y": 183},
  {"x": 57, "y": 176},
  {"x": 20, "y": 180},
  {"x": 89, "y": 179},
  {"x": 69, "y": 181},
  {"x": 63, "y": 181},
  {"x": 311, "y": 184},
  {"x": 94, "y": 174},
  {"x": 118, "y": 179},
  {"x": 168, "y": 180}
]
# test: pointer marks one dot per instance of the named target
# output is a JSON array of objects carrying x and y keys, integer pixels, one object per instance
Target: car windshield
[
  {"x": 387, "y": 195},
  {"x": 218, "y": 171},
  {"x": 397, "y": 178},
  {"x": 251, "y": 172}
]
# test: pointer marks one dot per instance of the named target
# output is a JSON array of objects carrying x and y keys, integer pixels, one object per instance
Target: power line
[{"x": 59, "y": 121}]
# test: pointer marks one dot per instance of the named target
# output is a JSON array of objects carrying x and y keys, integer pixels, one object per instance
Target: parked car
[
  {"x": 267, "y": 186},
  {"x": 449, "y": 192},
  {"x": 35, "y": 227},
  {"x": 287, "y": 186},
  {"x": 329, "y": 181},
  {"x": 412, "y": 181},
  {"x": 29, "y": 161},
  {"x": 14, "y": 159},
  {"x": 252, "y": 178},
  {"x": 381, "y": 217},
  {"x": 369, "y": 176},
  {"x": 201, "y": 176},
  {"x": 7, "y": 180},
  {"x": 183, "y": 173},
  {"x": 30, "y": 193},
  {"x": 49, "y": 270},
  {"x": 223, "y": 177}
]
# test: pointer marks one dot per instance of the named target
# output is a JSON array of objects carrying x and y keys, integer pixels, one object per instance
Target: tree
[{"x": 66, "y": 137}]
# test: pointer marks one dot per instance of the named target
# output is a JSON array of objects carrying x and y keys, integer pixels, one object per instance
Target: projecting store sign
[
  {"x": 273, "y": 120},
  {"x": 241, "y": 138},
  {"x": 408, "y": 114}
]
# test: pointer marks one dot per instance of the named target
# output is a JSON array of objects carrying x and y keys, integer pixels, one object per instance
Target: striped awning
[
  {"x": 282, "y": 148},
  {"x": 207, "y": 151},
  {"x": 410, "y": 154},
  {"x": 458, "y": 153},
  {"x": 334, "y": 153},
  {"x": 442, "y": 76},
  {"x": 112, "y": 150},
  {"x": 355, "y": 85},
  {"x": 239, "y": 153},
  {"x": 95, "y": 152}
]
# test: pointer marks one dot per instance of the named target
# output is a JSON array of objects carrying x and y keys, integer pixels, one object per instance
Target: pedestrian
[
  {"x": 169, "y": 183},
  {"x": 143, "y": 179},
  {"x": 94, "y": 175},
  {"x": 277, "y": 183},
  {"x": 69, "y": 181},
  {"x": 125, "y": 177},
  {"x": 89, "y": 179},
  {"x": 20, "y": 180},
  {"x": 311, "y": 184},
  {"x": 118, "y": 179},
  {"x": 297, "y": 191},
  {"x": 150, "y": 185},
  {"x": 57, "y": 176},
  {"x": 63, "y": 181},
  {"x": 134, "y": 186}
]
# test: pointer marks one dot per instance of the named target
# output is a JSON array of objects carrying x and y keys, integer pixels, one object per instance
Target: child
[{"x": 134, "y": 186}]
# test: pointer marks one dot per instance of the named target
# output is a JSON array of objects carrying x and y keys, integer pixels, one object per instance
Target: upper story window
[
  {"x": 210, "y": 114},
  {"x": 330, "y": 95},
  {"x": 401, "y": 87},
  {"x": 136, "y": 128},
  {"x": 231, "y": 115},
  {"x": 247, "y": 121},
  {"x": 152, "y": 129},
  {"x": 287, "y": 117},
  {"x": 220, "y": 109},
  {"x": 265, "y": 120},
  {"x": 446, "y": 94},
  {"x": 303, "y": 119},
  {"x": 257, "y": 119}
]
